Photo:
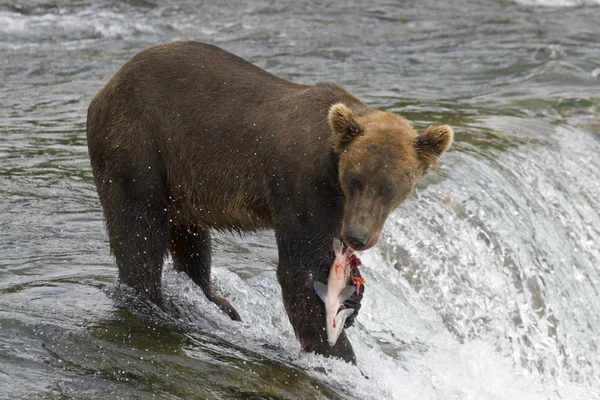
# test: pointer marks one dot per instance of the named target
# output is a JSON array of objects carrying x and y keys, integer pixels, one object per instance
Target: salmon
[{"x": 337, "y": 290}]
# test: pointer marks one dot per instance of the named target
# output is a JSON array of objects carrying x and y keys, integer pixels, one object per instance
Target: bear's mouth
[{"x": 348, "y": 245}]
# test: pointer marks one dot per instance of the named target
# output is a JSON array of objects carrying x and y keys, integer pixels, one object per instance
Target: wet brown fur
[{"x": 187, "y": 137}]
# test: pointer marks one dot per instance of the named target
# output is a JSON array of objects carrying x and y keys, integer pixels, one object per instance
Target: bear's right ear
[{"x": 344, "y": 126}]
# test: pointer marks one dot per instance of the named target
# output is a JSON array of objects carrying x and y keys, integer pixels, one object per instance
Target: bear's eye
[
  {"x": 387, "y": 193},
  {"x": 354, "y": 185}
]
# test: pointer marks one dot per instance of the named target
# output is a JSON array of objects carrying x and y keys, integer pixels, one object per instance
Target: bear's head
[{"x": 381, "y": 157}]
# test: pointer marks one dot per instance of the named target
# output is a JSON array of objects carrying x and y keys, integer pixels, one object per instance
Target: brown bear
[{"x": 187, "y": 137}]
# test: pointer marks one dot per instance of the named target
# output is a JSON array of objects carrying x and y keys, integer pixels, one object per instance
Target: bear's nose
[{"x": 357, "y": 238}]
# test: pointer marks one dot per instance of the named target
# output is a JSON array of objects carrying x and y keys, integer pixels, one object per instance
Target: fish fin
[
  {"x": 346, "y": 293},
  {"x": 321, "y": 290},
  {"x": 338, "y": 246},
  {"x": 340, "y": 320}
]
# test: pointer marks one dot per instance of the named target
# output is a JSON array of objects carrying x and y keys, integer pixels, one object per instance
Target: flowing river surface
[{"x": 485, "y": 285}]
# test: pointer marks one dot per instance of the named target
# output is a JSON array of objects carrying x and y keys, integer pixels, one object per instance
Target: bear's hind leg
[
  {"x": 137, "y": 228},
  {"x": 191, "y": 251}
]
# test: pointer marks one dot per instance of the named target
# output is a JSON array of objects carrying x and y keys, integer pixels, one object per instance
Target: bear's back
[{"x": 225, "y": 134}]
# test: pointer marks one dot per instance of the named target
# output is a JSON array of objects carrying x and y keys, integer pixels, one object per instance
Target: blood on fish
[
  {"x": 354, "y": 261},
  {"x": 340, "y": 271}
]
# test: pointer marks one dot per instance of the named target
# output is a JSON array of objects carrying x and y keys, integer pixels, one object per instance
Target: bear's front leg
[{"x": 301, "y": 263}]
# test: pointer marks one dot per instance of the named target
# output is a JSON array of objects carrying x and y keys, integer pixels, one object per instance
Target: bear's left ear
[
  {"x": 433, "y": 143},
  {"x": 344, "y": 126}
]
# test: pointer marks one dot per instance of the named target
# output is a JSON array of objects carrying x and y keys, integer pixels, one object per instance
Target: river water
[{"x": 485, "y": 285}]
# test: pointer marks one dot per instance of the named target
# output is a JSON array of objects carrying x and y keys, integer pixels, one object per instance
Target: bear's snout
[{"x": 358, "y": 239}]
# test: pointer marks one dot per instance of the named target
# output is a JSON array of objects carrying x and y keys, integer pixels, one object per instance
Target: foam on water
[
  {"x": 439, "y": 366},
  {"x": 86, "y": 24},
  {"x": 557, "y": 3}
]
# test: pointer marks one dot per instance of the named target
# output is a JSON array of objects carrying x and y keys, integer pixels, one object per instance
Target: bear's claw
[{"x": 354, "y": 300}]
